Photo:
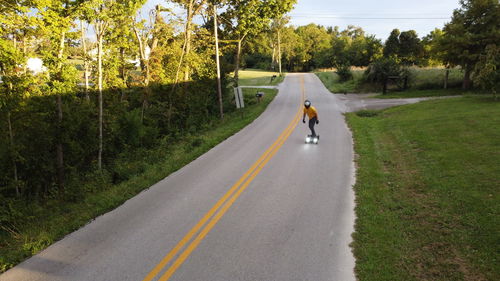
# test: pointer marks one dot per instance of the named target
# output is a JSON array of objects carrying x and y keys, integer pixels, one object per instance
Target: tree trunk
[
  {"x": 279, "y": 52},
  {"x": 59, "y": 148},
  {"x": 467, "y": 82},
  {"x": 237, "y": 63},
  {"x": 99, "y": 85},
  {"x": 85, "y": 62},
  {"x": 273, "y": 59},
  {"x": 189, "y": 25},
  {"x": 25, "y": 65},
  {"x": 145, "y": 70},
  {"x": 219, "y": 87},
  {"x": 14, "y": 163},
  {"x": 446, "y": 76}
]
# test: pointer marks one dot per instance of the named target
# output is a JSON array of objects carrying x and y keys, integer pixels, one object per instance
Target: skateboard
[{"x": 311, "y": 139}]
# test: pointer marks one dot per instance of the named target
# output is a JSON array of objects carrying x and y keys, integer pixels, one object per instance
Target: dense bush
[
  {"x": 381, "y": 69},
  {"x": 344, "y": 73},
  {"x": 128, "y": 126}
]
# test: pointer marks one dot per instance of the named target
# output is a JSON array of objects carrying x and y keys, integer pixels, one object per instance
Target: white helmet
[{"x": 307, "y": 103}]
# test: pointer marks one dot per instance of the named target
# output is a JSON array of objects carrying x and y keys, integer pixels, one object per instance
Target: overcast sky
[{"x": 376, "y": 17}]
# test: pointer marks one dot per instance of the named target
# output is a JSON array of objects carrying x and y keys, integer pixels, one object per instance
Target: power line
[{"x": 368, "y": 17}]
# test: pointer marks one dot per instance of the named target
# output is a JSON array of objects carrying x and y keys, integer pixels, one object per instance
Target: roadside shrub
[
  {"x": 381, "y": 69},
  {"x": 344, "y": 73}
]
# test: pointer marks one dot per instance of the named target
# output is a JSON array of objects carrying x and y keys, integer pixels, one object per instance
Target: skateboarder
[{"x": 312, "y": 113}]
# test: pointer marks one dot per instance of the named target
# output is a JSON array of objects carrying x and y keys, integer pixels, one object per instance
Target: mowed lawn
[
  {"x": 256, "y": 77},
  {"x": 428, "y": 191}
]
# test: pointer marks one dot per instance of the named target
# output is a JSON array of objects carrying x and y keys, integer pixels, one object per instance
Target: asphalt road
[{"x": 262, "y": 205}]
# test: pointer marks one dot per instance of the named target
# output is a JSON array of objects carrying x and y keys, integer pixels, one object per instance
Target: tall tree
[
  {"x": 10, "y": 58},
  {"x": 410, "y": 48},
  {"x": 217, "y": 61},
  {"x": 249, "y": 17},
  {"x": 277, "y": 25},
  {"x": 13, "y": 24},
  {"x": 101, "y": 13},
  {"x": 391, "y": 46},
  {"x": 58, "y": 16},
  {"x": 473, "y": 26},
  {"x": 487, "y": 72},
  {"x": 193, "y": 8}
]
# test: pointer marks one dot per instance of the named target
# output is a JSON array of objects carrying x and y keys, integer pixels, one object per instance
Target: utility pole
[{"x": 219, "y": 88}]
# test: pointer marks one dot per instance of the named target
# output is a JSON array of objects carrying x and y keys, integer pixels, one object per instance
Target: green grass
[
  {"x": 421, "y": 79},
  {"x": 38, "y": 226},
  {"x": 255, "y": 77},
  {"x": 331, "y": 81},
  {"x": 433, "y": 78},
  {"x": 427, "y": 191},
  {"x": 423, "y": 93}
]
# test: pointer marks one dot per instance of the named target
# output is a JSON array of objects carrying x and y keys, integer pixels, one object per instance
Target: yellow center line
[
  {"x": 219, "y": 215},
  {"x": 252, "y": 172}
]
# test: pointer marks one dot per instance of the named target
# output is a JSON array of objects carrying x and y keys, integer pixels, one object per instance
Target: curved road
[{"x": 262, "y": 205}]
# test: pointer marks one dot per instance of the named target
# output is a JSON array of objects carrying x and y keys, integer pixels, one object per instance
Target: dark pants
[{"x": 312, "y": 122}]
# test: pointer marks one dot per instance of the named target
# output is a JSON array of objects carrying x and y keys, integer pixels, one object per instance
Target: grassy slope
[
  {"x": 55, "y": 219},
  {"x": 255, "y": 77},
  {"x": 331, "y": 82},
  {"x": 427, "y": 191}
]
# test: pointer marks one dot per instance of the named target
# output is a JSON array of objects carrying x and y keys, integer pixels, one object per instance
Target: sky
[{"x": 377, "y": 17}]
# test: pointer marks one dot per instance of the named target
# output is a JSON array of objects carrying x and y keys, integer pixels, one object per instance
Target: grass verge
[
  {"x": 41, "y": 225},
  {"x": 427, "y": 200}
]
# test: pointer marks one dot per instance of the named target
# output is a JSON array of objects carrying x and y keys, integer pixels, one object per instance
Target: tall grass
[{"x": 419, "y": 79}]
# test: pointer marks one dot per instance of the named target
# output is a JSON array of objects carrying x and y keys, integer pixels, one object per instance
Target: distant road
[{"x": 262, "y": 205}]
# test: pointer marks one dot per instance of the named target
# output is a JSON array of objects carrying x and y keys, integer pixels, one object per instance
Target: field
[
  {"x": 420, "y": 79},
  {"x": 428, "y": 206},
  {"x": 255, "y": 77}
]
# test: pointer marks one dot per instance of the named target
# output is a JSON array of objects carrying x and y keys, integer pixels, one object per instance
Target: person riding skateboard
[{"x": 312, "y": 113}]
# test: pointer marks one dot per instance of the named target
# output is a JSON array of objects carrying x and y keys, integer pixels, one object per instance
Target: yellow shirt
[{"x": 311, "y": 112}]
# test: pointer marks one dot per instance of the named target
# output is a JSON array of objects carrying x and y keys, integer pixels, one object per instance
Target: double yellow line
[{"x": 212, "y": 216}]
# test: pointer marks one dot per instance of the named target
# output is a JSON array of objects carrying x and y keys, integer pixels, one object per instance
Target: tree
[
  {"x": 487, "y": 71},
  {"x": 249, "y": 17},
  {"x": 410, "y": 49},
  {"x": 57, "y": 17},
  {"x": 101, "y": 14},
  {"x": 391, "y": 47},
  {"x": 380, "y": 71},
  {"x": 276, "y": 28},
  {"x": 216, "y": 37},
  {"x": 316, "y": 42},
  {"x": 11, "y": 96},
  {"x": 473, "y": 27},
  {"x": 193, "y": 8}
]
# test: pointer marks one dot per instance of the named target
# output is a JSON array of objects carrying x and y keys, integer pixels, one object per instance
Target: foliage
[
  {"x": 381, "y": 69},
  {"x": 487, "y": 71},
  {"x": 344, "y": 72},
  {"x": 36, "y": 224},
  {"x": 404, "y": 47},
  {"x": 472, "y": 28}
]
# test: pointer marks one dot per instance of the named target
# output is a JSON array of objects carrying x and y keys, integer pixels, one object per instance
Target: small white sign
[{"x": 238, "y": 97}]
